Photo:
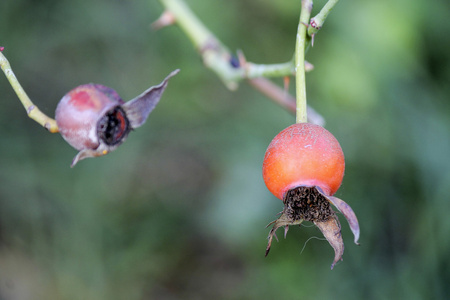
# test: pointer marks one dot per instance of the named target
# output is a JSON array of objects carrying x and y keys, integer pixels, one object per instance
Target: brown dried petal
[
  {"x": 348, "y": 213},
  {"x": 331, "y": 230},
  {"x": 139, "y": 108},
  {"x": 86, "y": 153},
  {"x": 283, "y": 220}
]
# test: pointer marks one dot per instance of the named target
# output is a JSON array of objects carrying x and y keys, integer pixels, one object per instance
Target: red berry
[
  {"x": 304, "y": 166},
  {"x": 93, "y": 118},
  {"x": 303, "y": 154}
]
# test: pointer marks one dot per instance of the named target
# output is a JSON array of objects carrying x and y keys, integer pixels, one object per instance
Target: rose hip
[
  {"x": 304, "y": 166},
  {"x": 93, "y": 118}
]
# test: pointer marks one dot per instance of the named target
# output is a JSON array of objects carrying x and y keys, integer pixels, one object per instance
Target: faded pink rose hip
[{"x": 93, "y": 118}]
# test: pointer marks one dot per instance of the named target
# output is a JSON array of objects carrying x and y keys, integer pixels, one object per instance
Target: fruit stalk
[
  {"x": 33, "y": 111},
  {"x": 300, "y": 47}
]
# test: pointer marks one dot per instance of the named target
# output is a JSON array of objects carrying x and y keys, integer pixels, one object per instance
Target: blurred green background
[{"x": 179, "y": 210}]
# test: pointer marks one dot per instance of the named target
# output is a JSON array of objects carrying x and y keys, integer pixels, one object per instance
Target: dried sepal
[
  {"x": 310, "y": 203},
  {"x": 348, "y": 213},
  {"x": 284, "y": 220},
  {"x": 87, "y": 153},
  {"x": 331, "y": 230},
  {"x": 139, "y": 108}
]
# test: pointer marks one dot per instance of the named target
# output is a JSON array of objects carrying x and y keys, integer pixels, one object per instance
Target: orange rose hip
[
  {"x": 304, "y": 167},
  {"x": 303, "y": 154}
]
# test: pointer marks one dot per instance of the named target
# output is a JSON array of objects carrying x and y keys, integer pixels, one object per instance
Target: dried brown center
[
  {"x": 113, "y": 127},
  {"x": 306, "y": 203}
]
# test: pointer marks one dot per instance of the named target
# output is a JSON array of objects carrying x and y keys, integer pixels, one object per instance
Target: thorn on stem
[
  {"x": 166, "y": 19},
  {"x": 242, "y": 59},
  {"x": 306, "y": 24},
  {"x": 286, "y": 81},
  {"x": 308, "y": 66}
]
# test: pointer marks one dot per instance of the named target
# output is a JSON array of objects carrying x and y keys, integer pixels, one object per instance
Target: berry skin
[
  {"x": 304, "y": 166},
  {"x": 93, "y": 118},
  {"x": 303, "y": 154},
  {"x": 80, "y": 111}
]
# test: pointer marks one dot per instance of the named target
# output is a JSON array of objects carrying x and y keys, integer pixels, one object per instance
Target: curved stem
[
  {"x": 32, "y": 110},
  {"x": 219, "y": 59},
  {"x": 215, "y": 54},
  {"x": 300, "y": 47}
]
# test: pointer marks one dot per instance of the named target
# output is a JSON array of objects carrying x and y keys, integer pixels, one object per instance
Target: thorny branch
[{"x": 219, "y": 59}]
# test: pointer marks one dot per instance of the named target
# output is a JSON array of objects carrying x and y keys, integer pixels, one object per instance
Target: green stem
[
  {"x": 284, "y": 99},
  {"x": 300, "y": 47},
  {"x": 217, "y": 56},
  {"x": 272, "y": 70},
  {"x": 318, "y": 20},
  {"x": 32, "y": 110}
]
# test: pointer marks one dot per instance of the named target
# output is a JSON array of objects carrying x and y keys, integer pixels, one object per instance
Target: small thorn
[
  {"x": 241, "y": 57},
  {"x": 286, "y": 81},
  {"x": 166, "y": 19},
  {"x": 308, "y": 66},
  {"x": 243, "y": 63},
  {"x": 312, "y": 39}
]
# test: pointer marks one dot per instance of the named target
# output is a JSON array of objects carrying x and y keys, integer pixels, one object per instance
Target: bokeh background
[{"x": 179, "y": 210}]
